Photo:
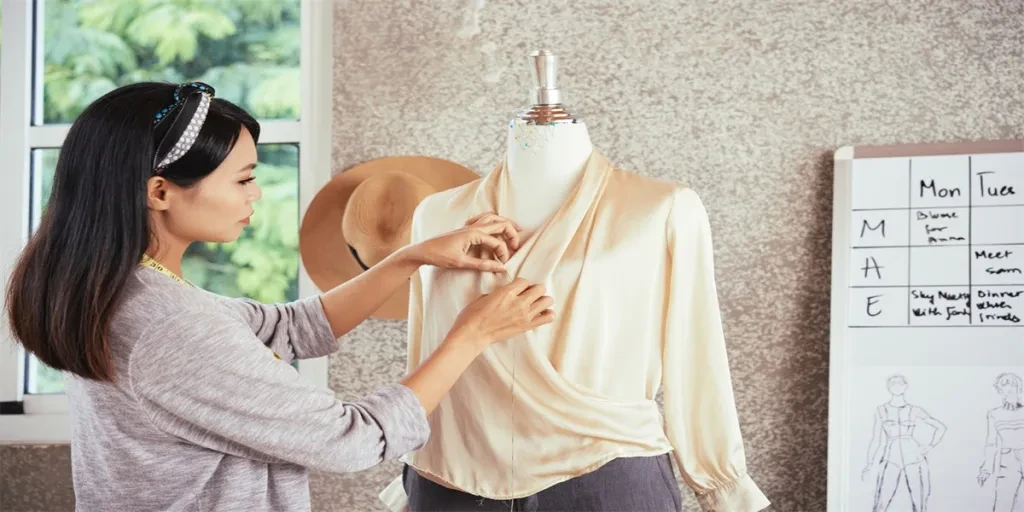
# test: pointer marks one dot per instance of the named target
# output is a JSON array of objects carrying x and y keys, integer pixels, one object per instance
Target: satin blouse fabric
[{"x": 628, "y": 261}]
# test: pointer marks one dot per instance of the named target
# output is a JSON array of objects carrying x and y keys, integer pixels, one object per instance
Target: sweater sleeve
[
  {"x": 700, "y": 411},
  {"x": 293, "y": 330},
  {"x": 205, "y": 378}
]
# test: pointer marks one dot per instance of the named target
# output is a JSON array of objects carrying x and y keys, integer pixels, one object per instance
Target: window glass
[
  {"x": 247, "y": 49},
  {"x": 262, "y": 264}
]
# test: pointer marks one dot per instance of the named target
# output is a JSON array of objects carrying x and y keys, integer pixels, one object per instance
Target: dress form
[
  {"x": 565, "y": 399},
  {"x": 546, "y": 152}
]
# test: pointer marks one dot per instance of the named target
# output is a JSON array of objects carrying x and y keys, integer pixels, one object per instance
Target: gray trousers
[{"x": 626, "y": 484}]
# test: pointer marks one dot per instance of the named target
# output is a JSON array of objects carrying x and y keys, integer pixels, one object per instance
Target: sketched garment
[
  {"x": 901, "y": 449},
  {"x": 1006, "y": 432},
  {"x": 903, "y": 460}
]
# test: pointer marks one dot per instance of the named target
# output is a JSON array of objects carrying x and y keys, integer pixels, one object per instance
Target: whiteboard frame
[
  {"x": 838, "y": 413},
  {"x": 838, "y": 394}
]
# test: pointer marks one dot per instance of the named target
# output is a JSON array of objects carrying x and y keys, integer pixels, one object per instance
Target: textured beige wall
[{"x": 743, "y": 100}]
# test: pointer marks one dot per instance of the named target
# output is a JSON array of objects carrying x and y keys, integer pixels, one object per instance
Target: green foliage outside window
[{"x": 249, "y": 51}]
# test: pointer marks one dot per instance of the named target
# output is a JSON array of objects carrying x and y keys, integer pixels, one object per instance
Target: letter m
[{"x": 866, "y": 225}]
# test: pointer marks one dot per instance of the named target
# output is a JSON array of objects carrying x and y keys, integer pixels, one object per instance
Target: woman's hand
[
  {"x": 498, "y": 235},
  {"x": 497, "y": 316},
  {"x": 983, "y": 475}
]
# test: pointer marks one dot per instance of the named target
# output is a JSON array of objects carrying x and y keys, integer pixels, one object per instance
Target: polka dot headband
[{"x": 194, "y": 96}]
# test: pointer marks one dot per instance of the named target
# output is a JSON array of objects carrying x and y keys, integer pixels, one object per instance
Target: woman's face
[
  {"x": 1008, "y": 391},
  {"x": 219, "y": 206},
  {"x": 897, "y": 386}
]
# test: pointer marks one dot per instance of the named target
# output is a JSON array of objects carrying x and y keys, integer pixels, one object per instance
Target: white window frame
[{"x": 45, "y": 419}]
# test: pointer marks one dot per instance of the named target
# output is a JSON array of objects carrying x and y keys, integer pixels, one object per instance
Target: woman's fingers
[
  {"x": 471, "y": 263},
  {"x": 516, "y": 287},
  {"x": 504, "y": 227},
  {"x": 472, "y": 220},
  {"x": 545, "y": 317},
  {"x": 489, "y": 217},
  {"x": 532, "y": 293},
  {"x": 508, "y": 227},
  {"x": 495, "y": 244},
  {"x": 540, "y": 305}
]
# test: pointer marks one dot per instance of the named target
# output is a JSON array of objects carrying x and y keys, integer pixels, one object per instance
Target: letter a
[{"x": 869, "y": 265}]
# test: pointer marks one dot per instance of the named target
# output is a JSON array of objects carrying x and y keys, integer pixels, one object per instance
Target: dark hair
[{"x": 65, "y": 287}]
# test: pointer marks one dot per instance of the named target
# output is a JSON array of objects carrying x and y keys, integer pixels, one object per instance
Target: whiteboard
[{"x": 927, "y": 328}]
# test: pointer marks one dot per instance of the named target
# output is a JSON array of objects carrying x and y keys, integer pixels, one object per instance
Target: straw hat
[{"x": 364, "y": 214}]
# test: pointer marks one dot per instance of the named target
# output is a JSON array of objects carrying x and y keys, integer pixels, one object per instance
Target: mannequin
[
  {"x": 546, "y": 151},
  {"x": 564, "y": 417}
]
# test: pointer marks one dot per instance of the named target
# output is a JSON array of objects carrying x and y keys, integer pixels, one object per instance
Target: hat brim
[{"x": 322, "y": 248}]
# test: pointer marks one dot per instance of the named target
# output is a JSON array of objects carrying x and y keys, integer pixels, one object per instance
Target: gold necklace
[{"x": 155, "y": 265}]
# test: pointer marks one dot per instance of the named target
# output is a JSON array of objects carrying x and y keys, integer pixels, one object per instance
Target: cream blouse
[{"x": 628, "y": 261}]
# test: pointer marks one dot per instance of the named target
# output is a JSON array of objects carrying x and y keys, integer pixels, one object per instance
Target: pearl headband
[{"x": 183, "y": 96}]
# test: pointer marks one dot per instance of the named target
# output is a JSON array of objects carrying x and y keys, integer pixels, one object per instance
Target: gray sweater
[{"x": 203, "y": 416}]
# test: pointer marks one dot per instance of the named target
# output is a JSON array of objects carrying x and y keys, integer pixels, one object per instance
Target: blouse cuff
[
  {"x": 741, "y": 495},
  {"x": 393, "y": 496}
]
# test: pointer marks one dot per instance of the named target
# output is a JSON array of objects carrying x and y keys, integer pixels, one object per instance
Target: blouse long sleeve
[{"x": 700, "y": 412}]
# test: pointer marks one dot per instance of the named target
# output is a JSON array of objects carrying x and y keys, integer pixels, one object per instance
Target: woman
[
  {"x": 1004, "y": 445},
  {"x": 178, "y": 398},
  {"x": 903, "y": 463}
]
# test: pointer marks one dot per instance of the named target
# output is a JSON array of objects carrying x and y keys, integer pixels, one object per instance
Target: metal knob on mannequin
[
  {"x": 544, "y": 70},
  {"x": 545, "y": 97}
]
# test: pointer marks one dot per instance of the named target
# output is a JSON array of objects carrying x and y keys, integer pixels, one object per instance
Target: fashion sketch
[
  {"x": 1004, "y": 446},
  {"x": 900, "y": 459}
]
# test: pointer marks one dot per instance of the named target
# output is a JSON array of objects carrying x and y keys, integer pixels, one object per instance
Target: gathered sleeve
[{"x": 700, "y": 411}]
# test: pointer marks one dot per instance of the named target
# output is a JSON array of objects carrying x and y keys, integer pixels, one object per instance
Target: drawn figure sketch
[
  {"x": 1004, "y": 446},
  {"x": 898, "y": 456}
]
